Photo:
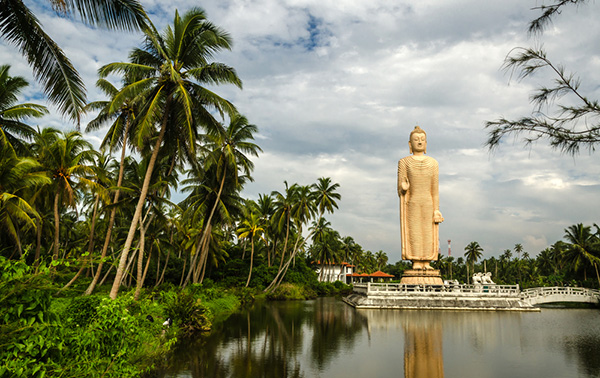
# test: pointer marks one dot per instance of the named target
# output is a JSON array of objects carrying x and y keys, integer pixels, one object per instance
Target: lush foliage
[
  {"x": 89, "y": 337},
  {"x": 573, "y": 261}
]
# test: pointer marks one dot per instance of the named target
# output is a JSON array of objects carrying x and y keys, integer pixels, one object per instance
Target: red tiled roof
[{"x": 379, "y": 273}]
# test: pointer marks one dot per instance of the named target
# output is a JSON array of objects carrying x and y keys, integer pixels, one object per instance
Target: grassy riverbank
[{"x": 45, "y": 334}]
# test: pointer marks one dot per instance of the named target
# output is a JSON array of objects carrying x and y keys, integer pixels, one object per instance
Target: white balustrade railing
[
  {"x": 371, "y": 288},
  {"x": 557, "y": 290}
]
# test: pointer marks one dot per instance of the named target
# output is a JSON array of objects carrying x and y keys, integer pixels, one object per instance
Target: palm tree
[
  {"x": 284, "y": 203},
  {"x": 12, "y": 129},
  {"x": 16, "y": 176},
  {"x": 61, "y": 81},
  {"x": 228, "y": 149},
  {"x": 302, "y": 211},
  {"x": 473, "y": 252},
  {"x": 347, "y": 245},
  {"x": 251, "y": 228},
  {"x": 507, "y": 255},
  {"x": 325, "y": 194},
  {"x": 582, "y": 248},
  {"x": 67, "y": 158},
  {"x": 369, "y": 262},
  {"x": 266, "y": 209},
  {"x": 118, "y": 134},
  {"x": 170, "y": 71},
  {"x": 322, "y": 236},
  {"x": 382, "y": 259},
  {"x": 100, "y": 192},
  {"x": 519, "y": 249}
]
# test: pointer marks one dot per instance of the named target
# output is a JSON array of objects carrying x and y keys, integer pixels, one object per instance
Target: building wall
[{"x": 331, "y": 273}]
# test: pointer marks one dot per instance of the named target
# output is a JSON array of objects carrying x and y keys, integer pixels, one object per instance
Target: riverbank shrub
[
  {"x": 291, "y": 292},
  {"x": 89, "y": 337},
  {"x": 187, "y": 311}
]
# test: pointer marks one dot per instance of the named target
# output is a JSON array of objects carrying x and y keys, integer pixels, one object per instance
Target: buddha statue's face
[{"x": 418, "y": 143}]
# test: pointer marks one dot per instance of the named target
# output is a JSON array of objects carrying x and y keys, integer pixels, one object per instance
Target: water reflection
[
  {"x": 271, "y": 340},
  {"x": 326, "y": 338},
  {"x": 423, "y": 357}
]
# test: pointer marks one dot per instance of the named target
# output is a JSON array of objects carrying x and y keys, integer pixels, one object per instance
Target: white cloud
[{"x": 335, "y": 88}]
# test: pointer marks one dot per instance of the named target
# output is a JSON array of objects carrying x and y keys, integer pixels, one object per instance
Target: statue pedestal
[{"x": 422, "y": 277}]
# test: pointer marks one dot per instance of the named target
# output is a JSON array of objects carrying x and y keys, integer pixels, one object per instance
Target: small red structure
[{"x": 378, "y": 276}]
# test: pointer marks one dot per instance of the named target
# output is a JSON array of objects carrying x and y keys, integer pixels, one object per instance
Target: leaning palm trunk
[
  {"x": 203, "y": 258},
  {"x": 147, "y": 265},
  {"x": 251, "y": 259},
  {"x": 126, "y": 274},
  {"x": 38, "y": 240},
  {"x": 287, "y": 234},
  {"x": 162, "y": 276},
  {"x": 183, "y": 270},
  {"x": 138, "y": 210},
  {"x": 90, "y": 245},
  {"x": 341, "y": 271},
  {"x": 206, "y": 228},
  {"x": 113, "y": 214},
  {"x": 282, "y": 272},
  {"x": 140, "y": 265},
  {"x": 56, "y": 225}
]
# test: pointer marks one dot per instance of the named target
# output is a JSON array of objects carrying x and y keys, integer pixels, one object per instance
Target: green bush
[
  {"x": 288, "y": 291},
  {"x": 187, "y": 312},
  {"x": 342, "y": 289},
  {"x": 246, "y": 295},
  {"x": 82, "y": 310},
  {"x": 324, "y": 289},
  {"x": 96, "y": 337}
]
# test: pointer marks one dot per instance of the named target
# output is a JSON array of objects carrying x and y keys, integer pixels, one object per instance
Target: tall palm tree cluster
[
  {"x": 106, "y": 213},
  {"x": 278, "y": 227},
  {"x": 62, "y": 200},
  {"x": 575, "y": 260}
]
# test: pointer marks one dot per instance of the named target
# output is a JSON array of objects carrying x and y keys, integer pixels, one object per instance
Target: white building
[{"x": 335, "y": 272}]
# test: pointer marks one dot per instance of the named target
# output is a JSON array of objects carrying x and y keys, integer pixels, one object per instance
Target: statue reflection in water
[{"x": 423, "y": 357}]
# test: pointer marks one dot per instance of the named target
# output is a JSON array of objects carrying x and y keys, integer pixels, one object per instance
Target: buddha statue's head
[{"x": 418, "y": 141}]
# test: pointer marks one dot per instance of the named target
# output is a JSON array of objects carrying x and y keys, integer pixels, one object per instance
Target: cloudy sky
[{"x": 335, "y": 88}]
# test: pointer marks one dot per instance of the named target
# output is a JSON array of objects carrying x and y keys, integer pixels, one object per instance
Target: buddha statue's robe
[{"x": 419, "y": 232}]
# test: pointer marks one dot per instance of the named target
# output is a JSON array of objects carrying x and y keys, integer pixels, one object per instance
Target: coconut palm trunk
[
  {"x": 90, "y": 245},
  {"x": 162, "y": 276},
  {"x": 113, "y": 213},
  {"x": 56, "y": 225},
  {"x": 140, "y": 262},
  {"x": 203, "y": 258},
  {"x": 207, "y": 230},
  {"x": 140, "y": 205},
  {"x": 287, "y": 234},
  {"x": 251, "y": 259},
  {"x": 38, "y": 240}
]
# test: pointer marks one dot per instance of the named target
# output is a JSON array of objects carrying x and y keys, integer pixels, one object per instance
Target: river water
[{"x": 327, "y": 338}]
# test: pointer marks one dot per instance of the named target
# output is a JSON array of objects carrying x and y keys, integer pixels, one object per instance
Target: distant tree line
[{"x": 572, "y": 261}]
